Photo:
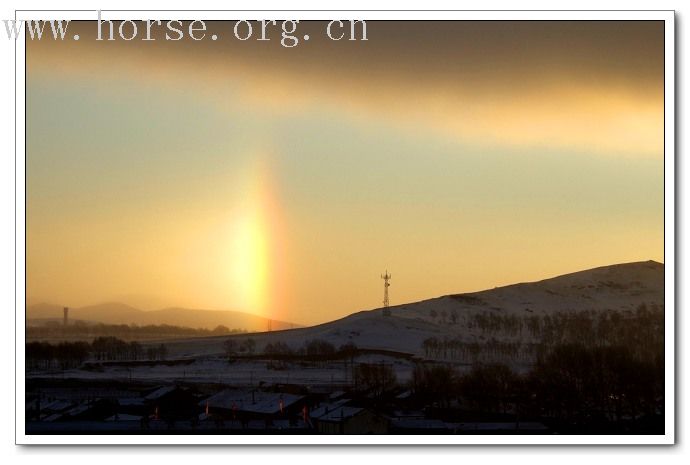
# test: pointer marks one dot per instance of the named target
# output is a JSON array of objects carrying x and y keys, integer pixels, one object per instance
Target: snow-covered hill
[{"x": 621, "y": 288}]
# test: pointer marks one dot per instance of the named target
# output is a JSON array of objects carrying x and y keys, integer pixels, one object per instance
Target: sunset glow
[
  {"x": 253, "y": 255},
  {"x": 283, "y": 182}
]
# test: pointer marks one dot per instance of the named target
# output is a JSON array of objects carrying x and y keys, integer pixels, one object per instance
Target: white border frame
[{"x": 669, "y": 230}]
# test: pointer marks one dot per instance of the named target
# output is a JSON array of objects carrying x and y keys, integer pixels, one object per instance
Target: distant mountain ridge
[{"x": 119, "y": 313}]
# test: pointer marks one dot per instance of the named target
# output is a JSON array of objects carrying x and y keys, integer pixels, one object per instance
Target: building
[
  {"x": 339, "y": 418},
  {"x": 232, "y": 404},
  {"x": 171, "y": 403}
]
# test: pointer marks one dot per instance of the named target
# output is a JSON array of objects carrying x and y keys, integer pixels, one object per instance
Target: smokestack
[{"x": 65, "y": 315}]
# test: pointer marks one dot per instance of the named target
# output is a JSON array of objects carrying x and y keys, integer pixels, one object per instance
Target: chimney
[{"x": 65, "y": 315}]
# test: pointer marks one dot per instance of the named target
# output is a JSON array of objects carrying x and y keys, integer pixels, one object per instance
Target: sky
[{"x": 243, "y": 175}]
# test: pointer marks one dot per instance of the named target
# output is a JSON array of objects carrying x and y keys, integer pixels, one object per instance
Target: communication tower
[{"x": 386, "y": 284}]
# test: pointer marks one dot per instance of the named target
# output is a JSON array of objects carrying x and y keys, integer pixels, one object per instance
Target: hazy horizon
[
  {"x": 281, "y": 182},
  {"x": 144, "y": 307}
]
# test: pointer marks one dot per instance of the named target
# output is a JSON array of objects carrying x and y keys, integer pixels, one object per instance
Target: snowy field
[{"x": 241, "y": 373}]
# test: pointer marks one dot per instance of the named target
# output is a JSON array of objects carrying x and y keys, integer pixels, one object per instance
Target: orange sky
[{"x": 247, "y": 176}]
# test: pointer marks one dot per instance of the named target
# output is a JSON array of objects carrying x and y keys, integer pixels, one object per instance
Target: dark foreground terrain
[{"x": 572, "y": 390}]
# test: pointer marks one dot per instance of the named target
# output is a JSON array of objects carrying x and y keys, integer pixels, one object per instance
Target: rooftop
[
  {"x": 160, "y": 392},
  {"x": 258, "y": 402}
]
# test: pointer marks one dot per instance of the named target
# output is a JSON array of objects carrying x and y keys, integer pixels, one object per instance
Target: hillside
[{"x": 616, "y": 288}]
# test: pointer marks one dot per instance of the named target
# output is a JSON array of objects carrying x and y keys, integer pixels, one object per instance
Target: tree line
[
  {"x": 640, "y": 331},
  {"x": 279, "y": 353},
  {"x": 572, "y": 384},
  {"x": 312, "y": 348},
  {"x": 86, "y": 332},
  {"x": 64, "y": 355}
]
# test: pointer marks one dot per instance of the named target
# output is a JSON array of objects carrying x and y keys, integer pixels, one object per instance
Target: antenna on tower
[{"x": 386, "y": 284}]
